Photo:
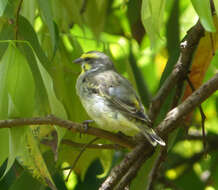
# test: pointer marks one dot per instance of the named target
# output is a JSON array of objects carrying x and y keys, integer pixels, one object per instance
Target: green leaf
[
  {"x": 152, "y": 17},
  {"x": 16, "y": 97},
  {"x": 140, "y": 81},
  {"x": 27, "y": 33},
  {"x": 216, "y": 6},
  {"x": 3, "y": 4},
  {"x": 29, "y": 10},
  {"x": 56, "y": 106},
  {"x": 96, "y": 19},
  {"x": 4, "y": 144},
  {"x": 141, "y": 181},
  {"x": 68, "y": 154},
  {"x": 7, "y": 33},
  {"x": 45, "y": 9},
  {"x": 10, "y": 9},
  {"x": 16, "y": 82},
  {"x": 20, "y": 85},
  {"x": 32, "y": 159},
  {"x": 67, "y": 12},
  {"x": 40, "y": 94},
  {"x": 106, "y": 160},
  {"x": 16, "y": 145},
  {"x": 4, "y": 68},
  {"x": 189, "y": 178},
  {"x": 25, "y": 182},
  {"x": 202, "y": 7}
]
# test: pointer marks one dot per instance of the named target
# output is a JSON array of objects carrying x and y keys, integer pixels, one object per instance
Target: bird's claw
[{"x": 86, "y": 124}]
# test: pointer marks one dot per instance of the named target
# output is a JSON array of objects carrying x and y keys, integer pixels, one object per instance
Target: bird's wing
[{"x": 122, "y": 96}]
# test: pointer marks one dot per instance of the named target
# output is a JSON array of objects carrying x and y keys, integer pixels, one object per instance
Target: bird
[{"x": 110, "y": 100}]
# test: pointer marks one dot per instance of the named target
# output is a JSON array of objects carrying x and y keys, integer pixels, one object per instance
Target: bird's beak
[{"x": 78, "y": 60}]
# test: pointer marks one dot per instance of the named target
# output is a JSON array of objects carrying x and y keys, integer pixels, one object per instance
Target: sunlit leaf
[
  {"x": 203, "y": 10},
  {"x": 55, "y": 105},
  {"x": 152, "y": 17},
  {"x": 3, "y": 4},
  {"x": 216, "y": 6},
  {"x": 106, "y": 160},
  {"x": 45, "y": 7},
  {"x": 28, "y": 10}
]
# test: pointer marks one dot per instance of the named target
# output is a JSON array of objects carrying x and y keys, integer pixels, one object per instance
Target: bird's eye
[{"x": 87, "y": 58}]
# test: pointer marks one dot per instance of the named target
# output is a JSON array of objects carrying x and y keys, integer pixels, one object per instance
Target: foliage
[{"x": 38, "y": 42}]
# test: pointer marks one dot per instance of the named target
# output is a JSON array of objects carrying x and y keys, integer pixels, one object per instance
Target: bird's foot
[{"x": 86, "y": 124}]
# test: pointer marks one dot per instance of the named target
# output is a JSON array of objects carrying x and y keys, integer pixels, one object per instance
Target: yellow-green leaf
[
  {"x": 32, "y": 158},
  {"x": 152, "y": 17},
  {"x": 202, "y": 7}
]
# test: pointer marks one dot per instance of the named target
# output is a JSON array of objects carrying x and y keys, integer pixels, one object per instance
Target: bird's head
[{"x": 94, "y": 61}]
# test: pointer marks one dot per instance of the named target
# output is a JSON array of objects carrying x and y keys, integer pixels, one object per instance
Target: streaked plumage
[{"x": 110, "y": 99}]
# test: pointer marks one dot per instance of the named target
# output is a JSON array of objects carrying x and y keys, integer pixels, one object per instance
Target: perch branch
[{"x": 72, "y": 126}]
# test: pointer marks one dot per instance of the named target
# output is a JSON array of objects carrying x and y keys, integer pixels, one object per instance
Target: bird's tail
[{"x": 152, "y": 137}]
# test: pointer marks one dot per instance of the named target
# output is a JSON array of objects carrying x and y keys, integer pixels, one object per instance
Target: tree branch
[
  {"x": 132, "y": 172},
  {"x": 119, "y": 170},
  {"x": 194, "y": 100},
  {"x": 72, "y": 126},
  {"x": 187, "y": 48}
]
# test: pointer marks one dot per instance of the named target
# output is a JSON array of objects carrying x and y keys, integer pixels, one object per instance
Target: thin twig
[
  {"x": 79, "y": 155},
  {"x": 92, "y": 146},
  {"x": 17, "y": 19},
  {"x": 203, "y": 116},
  {"x": 155, "y": 170}
]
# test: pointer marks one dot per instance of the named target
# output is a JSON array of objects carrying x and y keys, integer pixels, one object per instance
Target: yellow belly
[{"x": 107, "y": 118}]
